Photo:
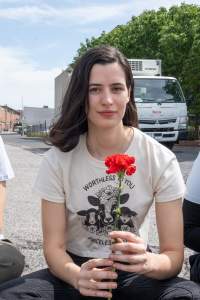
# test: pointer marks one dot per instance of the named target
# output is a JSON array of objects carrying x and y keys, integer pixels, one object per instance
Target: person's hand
[
  {"x": 96, "y": 278},
  {"x": 129, "y": 253}
]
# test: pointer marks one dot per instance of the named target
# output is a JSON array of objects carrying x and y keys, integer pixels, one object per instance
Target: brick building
[{"x": 8, "y": 118}]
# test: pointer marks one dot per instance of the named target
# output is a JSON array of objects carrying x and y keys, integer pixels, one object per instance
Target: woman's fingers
[
  {"x": 97, "y": 278},
  {"x": 130, "y": 254},
  {"x": 98, "y": 275},
  {"x": 125, "y": 236},
  {"x": 131, "y": 259},
  {"x": 92, "y": 270},
  {"x": 95, "y": 263},
  {"x": 95, "y": 293},
  {"x": 96, "y": 285},
  {"x": 129, "y": 247},
  {"x": 135, "y": 268}
]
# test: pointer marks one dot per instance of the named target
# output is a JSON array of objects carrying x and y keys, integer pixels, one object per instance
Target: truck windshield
[{"x": 158, "y": 90}]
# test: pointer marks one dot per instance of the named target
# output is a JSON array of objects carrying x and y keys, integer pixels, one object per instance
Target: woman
[
  {"x": 11, "y": 260},
  {"x": 191, "y": 213},
  {"x": 99, "y": 118}
]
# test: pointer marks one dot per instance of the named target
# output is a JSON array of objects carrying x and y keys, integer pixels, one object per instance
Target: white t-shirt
[
  {"x": 193, "y": 183},
  {"x": 6, "y": 171},
  {"x": 80, "y": 181}
]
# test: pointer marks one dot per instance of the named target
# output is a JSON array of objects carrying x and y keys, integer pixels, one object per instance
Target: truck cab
[{"x": 160, "y": 102}]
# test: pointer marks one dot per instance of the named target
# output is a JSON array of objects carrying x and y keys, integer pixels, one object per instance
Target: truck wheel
[{"x": 169, "y": 145}]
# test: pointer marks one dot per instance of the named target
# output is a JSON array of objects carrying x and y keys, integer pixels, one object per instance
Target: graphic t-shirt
[
  {"x": 6, "y": 171},
  {"x": 80, "y": 181}
]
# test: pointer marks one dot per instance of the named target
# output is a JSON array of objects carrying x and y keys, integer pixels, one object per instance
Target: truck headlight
[
  {"x": 182, "y": 124},
  {"x": 183, "y": 120}
]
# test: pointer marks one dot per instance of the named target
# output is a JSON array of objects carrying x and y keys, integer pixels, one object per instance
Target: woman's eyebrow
[
  {"x": 118, "y": 83},
  {"x": 99, "y": 84},
  {"x": 95, "y": 84}
]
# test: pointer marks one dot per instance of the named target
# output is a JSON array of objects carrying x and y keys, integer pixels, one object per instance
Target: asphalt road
[
  {"x": 24, "y": 142},
  {"x": 22, "y": 216}
]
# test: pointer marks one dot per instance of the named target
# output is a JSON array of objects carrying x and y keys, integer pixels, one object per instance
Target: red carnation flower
[{"x": 120, "y": 163}]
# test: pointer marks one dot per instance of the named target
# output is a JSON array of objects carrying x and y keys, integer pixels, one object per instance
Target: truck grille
[
  {"x": 162, "y": 121},
  {"x": 158, "y": 129}
]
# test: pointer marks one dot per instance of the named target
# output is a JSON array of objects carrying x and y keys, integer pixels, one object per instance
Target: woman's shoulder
[
  {"x": 151, "y": 146},
  {"x": 55, "y": 154}
]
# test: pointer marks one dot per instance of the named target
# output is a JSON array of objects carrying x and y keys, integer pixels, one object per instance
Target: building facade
[
  {"x": 34, "y": 116},
  {"x": 61, "y": 84},
  {"x": 9, "y": 117}
]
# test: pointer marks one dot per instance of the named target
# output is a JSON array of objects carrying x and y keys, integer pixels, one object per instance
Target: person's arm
[
  {"x": 54, "y": 242},
  {"x": 191, "y": 208},
  {"x": 88, "y": 278},
  {"x": 6, "y": 172},
  {"x": 191, "y": 214},
  {"x": 2, "y": 205},
  {"x": 170, "y": 231},
  {"x": 169, "y": 261}
]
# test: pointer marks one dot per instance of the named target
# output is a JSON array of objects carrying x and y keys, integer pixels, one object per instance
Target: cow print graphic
[{"x": 100, "y": 218}]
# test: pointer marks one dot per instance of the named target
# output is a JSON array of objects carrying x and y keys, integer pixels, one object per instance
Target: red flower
[{"x": 120, "y": 163}]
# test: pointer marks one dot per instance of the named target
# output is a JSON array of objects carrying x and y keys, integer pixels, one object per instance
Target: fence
[
  {"x": 36, "y": 130},
  {"x": 194, "y": 126}
]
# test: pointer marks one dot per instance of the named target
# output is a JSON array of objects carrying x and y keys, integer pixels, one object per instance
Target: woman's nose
[{"x": 107, "y": 97}]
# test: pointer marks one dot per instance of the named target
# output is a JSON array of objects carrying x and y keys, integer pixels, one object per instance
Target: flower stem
[{"x": 120, "y": 176}]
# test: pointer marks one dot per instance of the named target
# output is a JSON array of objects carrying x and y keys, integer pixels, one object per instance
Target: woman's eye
[
  {"x": 117, "y": 89},
  {"x": 94, "y": 90}
]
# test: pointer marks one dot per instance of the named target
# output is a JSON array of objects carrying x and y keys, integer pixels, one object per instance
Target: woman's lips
[{"x": 107, "y": 113}]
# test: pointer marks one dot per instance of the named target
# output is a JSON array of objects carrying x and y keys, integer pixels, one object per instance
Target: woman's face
[{"x": 108, "y": 96}]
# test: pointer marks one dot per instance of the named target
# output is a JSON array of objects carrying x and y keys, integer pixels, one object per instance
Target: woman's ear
[{"x": 129, "y": 94}]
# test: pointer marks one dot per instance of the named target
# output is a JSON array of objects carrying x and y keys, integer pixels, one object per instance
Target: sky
[{"x": 38, "y": 39}]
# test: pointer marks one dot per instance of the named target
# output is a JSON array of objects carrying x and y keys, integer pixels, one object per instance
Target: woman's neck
[{"x": 107, "y": 142}]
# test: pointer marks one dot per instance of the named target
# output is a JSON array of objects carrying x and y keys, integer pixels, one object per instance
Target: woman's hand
[
  {"x": 129, "y": 253},
  {"x": 96, "y": 278}
]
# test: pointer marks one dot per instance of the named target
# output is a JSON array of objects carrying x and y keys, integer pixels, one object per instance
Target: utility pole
[{"x": 22, "y": 115}]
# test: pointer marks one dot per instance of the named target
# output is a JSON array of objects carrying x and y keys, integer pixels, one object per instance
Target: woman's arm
[
  {"x": 89, "y": 279},
  {"x": 54, "y": 242},
  {"x": 169, "y": 220},
  {"x": 2, "y": 203},
  {"x": 191, "y": 215},
  {"x": 169, "y": 261}
]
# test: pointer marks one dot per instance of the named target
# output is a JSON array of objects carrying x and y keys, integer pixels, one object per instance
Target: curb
[
  {"x": 8, "y": 133},
  {"x": 190, "y": 143}
]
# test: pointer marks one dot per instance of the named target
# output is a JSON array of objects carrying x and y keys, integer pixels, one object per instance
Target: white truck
[
  {"x": 159, "y": 99},
  {"x": 160, "y": 102}
]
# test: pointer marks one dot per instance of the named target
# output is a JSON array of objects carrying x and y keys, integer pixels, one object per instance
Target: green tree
[{"x": 170, "y": 35}]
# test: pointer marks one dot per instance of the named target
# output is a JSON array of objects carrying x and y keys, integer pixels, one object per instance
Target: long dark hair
[{"x": 72, "y": 122}]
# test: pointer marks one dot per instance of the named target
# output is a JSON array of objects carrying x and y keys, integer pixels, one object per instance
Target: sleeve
[
  {"x": 170, "y": 185},
  {"x": 49, "y": 181},
  {"x": 6, "y": 171},
  {"x": 191, "y": 216},
  {"x": 193, "y": 183}
]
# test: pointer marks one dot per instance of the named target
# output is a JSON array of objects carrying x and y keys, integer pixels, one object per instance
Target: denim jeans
[{"x": 43, "y": 285}]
